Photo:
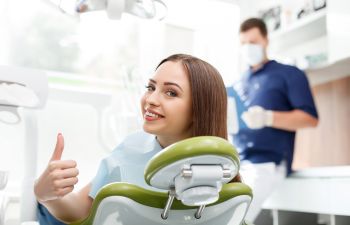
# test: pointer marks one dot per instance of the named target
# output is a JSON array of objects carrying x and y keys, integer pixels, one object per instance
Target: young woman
[{"x": 186, "y": 97}]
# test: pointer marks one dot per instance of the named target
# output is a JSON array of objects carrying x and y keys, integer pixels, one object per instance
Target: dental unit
[
  {"x": 192, "y": 180},
  {"x": 27, "y": 89}
]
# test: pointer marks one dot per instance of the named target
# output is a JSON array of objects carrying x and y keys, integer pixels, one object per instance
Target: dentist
[{"x": 278, "y": 102}]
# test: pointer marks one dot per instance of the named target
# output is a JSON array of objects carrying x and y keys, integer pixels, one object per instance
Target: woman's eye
[
  {"x": 150, "y": 88},
  {"x": 171, "y": 93}
]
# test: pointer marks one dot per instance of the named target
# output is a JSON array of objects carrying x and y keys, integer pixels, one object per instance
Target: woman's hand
[{"x": 59, "y": 177}]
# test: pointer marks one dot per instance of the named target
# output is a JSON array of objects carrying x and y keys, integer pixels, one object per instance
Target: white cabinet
[
  {"x": 308, "y": 28},
  {"x": 329, "y": 71},
  {"x": 304, "y": 195},
  {"x": 318, "y": 43}
]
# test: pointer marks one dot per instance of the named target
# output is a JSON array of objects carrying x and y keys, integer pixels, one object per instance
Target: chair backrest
[
  {"x": 127, "y": 204},
  {"x": 195, "y": 173},
  {"x": 194, "y": 169}
]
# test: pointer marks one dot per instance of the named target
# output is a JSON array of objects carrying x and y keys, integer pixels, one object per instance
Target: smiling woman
[
  {"x": 186, "y": 97},
  {"x": 191, "y": 82}
]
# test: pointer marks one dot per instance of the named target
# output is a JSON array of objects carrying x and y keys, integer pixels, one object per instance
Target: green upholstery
[
  {"x": 189, "y": 148},
  {"x": 196, "y": 146},
  {"x": 156, "y": 199}
]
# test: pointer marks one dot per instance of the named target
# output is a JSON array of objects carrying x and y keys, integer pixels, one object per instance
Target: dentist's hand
[
  {"x": 59, "y": 177},
  {"x": 257, "y": 117}
]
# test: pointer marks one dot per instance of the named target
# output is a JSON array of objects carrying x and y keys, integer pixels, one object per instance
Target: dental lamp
[
  {"x": 28, "y": 89},
  {"x": 115, "y": 8}
]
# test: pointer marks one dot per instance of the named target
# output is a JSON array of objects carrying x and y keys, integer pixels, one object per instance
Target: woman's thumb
[{"x": 57, "y": 154}]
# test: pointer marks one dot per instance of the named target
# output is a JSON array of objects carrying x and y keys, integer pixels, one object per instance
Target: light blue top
[{"x": 127, "y": 162}]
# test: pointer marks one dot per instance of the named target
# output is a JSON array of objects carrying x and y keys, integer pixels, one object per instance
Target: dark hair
[
  {"x": 254, "y": 23},
  {"x": 209, "y": 98}
]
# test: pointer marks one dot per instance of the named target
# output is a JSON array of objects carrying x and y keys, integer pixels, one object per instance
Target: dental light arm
[{"x": 114, "y": 8}]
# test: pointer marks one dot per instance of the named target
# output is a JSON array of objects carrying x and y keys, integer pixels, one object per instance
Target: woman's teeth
[{"x": 151, "y": 114}]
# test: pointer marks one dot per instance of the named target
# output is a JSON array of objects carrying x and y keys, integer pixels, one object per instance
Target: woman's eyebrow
[
  {"x": 167, "y": 83},
  {"x": 172, "y": 83}
]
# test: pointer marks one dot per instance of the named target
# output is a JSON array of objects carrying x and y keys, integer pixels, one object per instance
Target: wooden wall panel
[{"x": 329, "y": 143}]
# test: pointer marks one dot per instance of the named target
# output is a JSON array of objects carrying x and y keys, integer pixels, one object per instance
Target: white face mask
[{"x": 253, "y": 54}]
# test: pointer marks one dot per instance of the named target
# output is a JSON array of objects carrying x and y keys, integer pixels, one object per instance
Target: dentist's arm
[
  {"x": 257, "y": 117},
  {"x": 293, "y": 120},
  {"x": 54, "y": 188}
]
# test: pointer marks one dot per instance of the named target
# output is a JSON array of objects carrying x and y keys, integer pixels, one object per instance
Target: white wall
[{"x": 204, "y": 28}]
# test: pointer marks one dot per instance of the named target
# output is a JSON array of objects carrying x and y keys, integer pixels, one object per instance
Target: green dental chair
[{"x": 192, "y": 177}]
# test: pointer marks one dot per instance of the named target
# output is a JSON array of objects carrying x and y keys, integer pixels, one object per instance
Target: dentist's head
[
  {"x": 186, "y": 97},
  {"x": 254, "y": 41}
]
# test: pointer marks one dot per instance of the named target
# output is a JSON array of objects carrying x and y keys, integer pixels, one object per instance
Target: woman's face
[{"x": 166, "y": 105}]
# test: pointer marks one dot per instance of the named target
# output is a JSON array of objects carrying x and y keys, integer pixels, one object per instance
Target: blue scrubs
[
  {"x": 276, "y": 87},
  {"x": 125, "y": 164}
]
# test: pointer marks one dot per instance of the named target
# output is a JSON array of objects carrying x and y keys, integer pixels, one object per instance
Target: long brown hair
[{"x": 209, "y": 98}]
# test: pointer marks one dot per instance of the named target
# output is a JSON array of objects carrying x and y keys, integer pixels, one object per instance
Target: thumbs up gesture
[{"x": 59, "y": 177}]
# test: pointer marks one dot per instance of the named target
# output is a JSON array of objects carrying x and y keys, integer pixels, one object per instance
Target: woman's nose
[{"x": 153, "y": 98}]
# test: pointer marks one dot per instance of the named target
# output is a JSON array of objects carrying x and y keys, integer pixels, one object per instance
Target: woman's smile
[{"x": 151, "y": 115}]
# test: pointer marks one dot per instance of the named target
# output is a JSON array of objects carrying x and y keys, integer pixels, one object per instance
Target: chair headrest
[{"x": 204, "y": 150}]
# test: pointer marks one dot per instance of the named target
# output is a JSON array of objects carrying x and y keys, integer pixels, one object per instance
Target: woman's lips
[{"x": 151, "y": 115}]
